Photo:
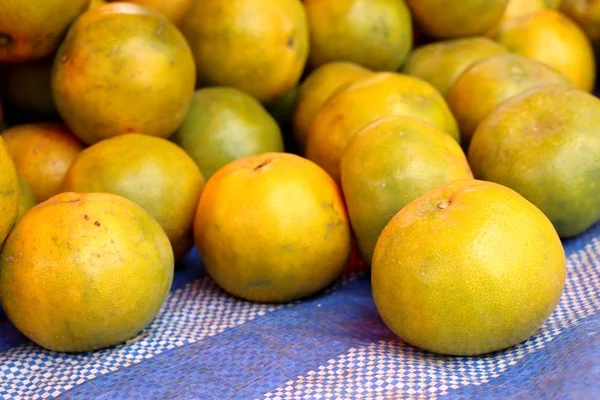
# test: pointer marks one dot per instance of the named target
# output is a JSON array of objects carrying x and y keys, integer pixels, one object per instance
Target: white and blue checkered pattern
[
  {"x": 375, "y": 369},
  {"x": 193, "y": 313},
  {"x": 385, "y": 370},
  {"x": 198, "y": 311}
]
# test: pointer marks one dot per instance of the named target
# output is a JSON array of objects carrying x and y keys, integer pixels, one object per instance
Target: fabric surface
[{"x": 207, "y": 345}]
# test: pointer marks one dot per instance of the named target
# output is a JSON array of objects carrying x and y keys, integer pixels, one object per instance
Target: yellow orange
[
  {"x": 42, "y": 154},
  {"x": 555, "y": 40},
  {"x": 365, "y": 100},
  {"x": 82, "y": 272},
  {"x": 468, "y": 268},
  {"x": 316, "y": 88},
  {"x": 286, "y": 237}
]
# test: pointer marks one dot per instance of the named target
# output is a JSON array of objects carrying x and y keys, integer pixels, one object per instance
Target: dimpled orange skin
[
  {"x": 489, "y": 82},
  {"x": 153, "y": 172},
  {"x": 553, "y": 39},
  {"x": 448, "y": 19},
  {"x": 374, "y": 33},
  {"x": 9, "y": 191},
  {"x": 286, "y": 237},
  {"x": 259, "y": 47},
  {"x": 123, "y": 68},
  {"x": 468, "y": 268},
  {"x": 42, "y": 154},
  {"x": 389, "y": 163},
  {"x": 378, "y": 95},
  {"x": 316, "y": 89},
  {"x": 82, "y": 272}
]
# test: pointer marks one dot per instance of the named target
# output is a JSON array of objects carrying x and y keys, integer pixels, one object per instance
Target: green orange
[
  {"x": 389, "y": 163},
  {"x": 469, "y": 268},
  {"x": 152, "y": 172},
  {"x": 545, "y": 144}
]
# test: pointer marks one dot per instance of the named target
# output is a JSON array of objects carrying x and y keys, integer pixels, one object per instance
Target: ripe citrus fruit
[
  {"x": 26, "y": 198},
  {"x": 82, "y": 272},
  {"x": 515, "y": 9},
  {"x": 96, "y": 3},
  {"x": 316, "y": 88},
  {"x": 570, "y": 53},
  {"x": 258, "y": 47},
  {"x": 285, "y": 237},
  {"x": 100, "y": 87},
  {"x": 489, "y": 82},
  {"x": 152, "y": 172},
  {"x": 441, "y": 63},
  {"x": 389, "y": 163},
  {"x": 545, "y": 144},
  {"x": 374, "y": 33},
  {"x": 9, "y": 192},
  {"x": 587, "y": 16},
  {"x": 224, "y": 124},
  {"x": 468, "y": 268},
  {"x": 378, "y": 95},
  {"x": 172, "y": 9},
  {"x": 33, "y": 29},
  {"x": 448, "y": 19},
  {"x": 42, "y": 154},
  {"x": 554, "y": 4}
]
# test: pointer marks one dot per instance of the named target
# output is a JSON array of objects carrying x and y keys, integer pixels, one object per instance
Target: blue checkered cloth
[{"x": 208, "y": 345}]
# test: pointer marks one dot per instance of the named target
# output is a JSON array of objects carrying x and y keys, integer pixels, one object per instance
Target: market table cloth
[{"x": 206, "y": 344}]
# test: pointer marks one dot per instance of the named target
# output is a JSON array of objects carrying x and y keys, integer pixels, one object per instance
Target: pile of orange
[{"x": 446, "y": 141}]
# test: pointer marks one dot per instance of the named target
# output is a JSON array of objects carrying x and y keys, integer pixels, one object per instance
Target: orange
[
  {"x": 96, "y": 3},
  {"x": 26, "y": 198},
  {"x": 285, "y": 237},
  {"x": 9, "y": 192},
  {"x": 42, "y": 154},
  {"x": 389, "y": 163},
  {"x": 586, "y": 14},
  {"x": 172, "y": 9},
  {"x": 316, "y": 88},
  {"x": 123, "y": 68},
  {"x": 515, "y": 9},
  {"x": 257, "y": 47},
  {"x": 553, "y": 3},
  {"x": 545, "y": 144},
  {"x": 224, "y": 124},
  {"x": 374, "y": 33},
  {"x": 448, "y": 19},
  {"x": 33, "y": 29},
  {"x": 489, "y": 82},
  {"x": 378, "y": 95},
  {"x": 441, "y": 63},
  {"x": 468, "y": 268},
  {"x": 152, "y": 172},
  {"x": 81, "y": 272},
  {"x": 570, "y": 51}
]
